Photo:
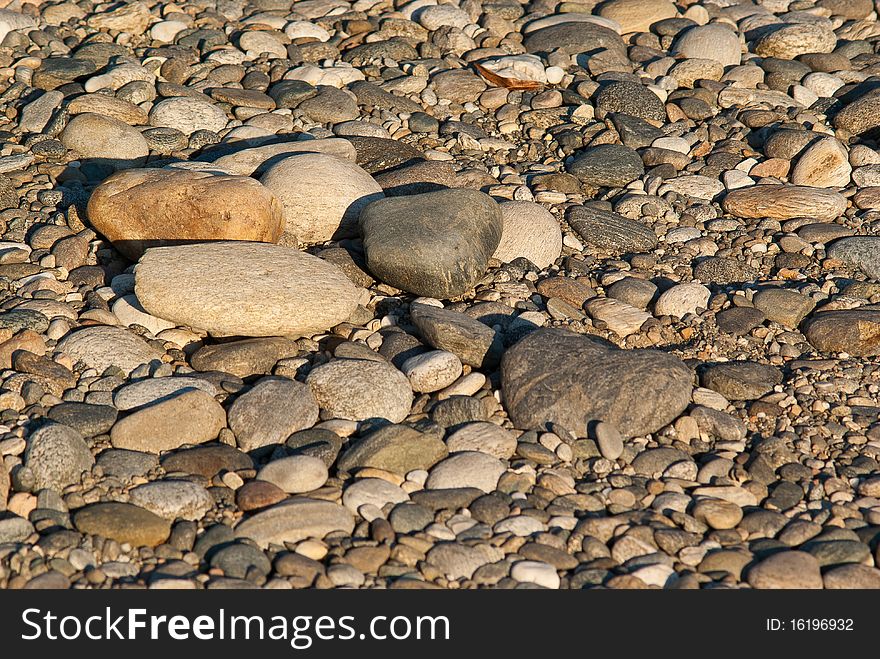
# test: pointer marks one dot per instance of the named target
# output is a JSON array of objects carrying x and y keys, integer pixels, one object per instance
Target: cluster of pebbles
[{"x": 408, "y": 294}]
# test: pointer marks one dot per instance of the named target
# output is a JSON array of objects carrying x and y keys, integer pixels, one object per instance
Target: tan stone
[
  {"x": 142, "y": 208},
  {"x": 825, "y": 164},
  {"x": 637, "y": 15},
  {"x": 783, "y": 202}
]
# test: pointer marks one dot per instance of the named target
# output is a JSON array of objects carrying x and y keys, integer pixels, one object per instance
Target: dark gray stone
[
  {"x": 557, "y": 376},
  {"x": 436, "y": 244}
]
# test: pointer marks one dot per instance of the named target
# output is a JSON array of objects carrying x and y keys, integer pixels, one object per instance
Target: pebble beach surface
[{"x": 472, "y": 294}]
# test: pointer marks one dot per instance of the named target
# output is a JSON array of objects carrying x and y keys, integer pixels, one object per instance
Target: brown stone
[
  {"x": 141, "y": 208},
  {"x": 258, "y": 494}
]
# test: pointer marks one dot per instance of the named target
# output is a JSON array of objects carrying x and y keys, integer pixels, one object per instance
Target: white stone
[
  {"x": 518, "y": 67},
  {"x": 717, "y": 42},
  {"x": 536, "y": 572},
  {"x": 101, "y": 346},
  {"x": 295, "y": 474},
  {"x": 372, "y": 491},
  {"x": 294, "y": 520},
  {"x": 173, "y": 499},
  {"x": 530, "y": 231},
  {"x": 466, "y": 469},
  {"x": 359, "y": 389},
  {"x": 432, "y": 370},
  {"x": 256, "y": 159},
  {"x": 187, "y": 115},
  {"x": 306, "y": 30},
  {"x": 484, "y": 437},
  {"x": 321, "y": 196},
  {"x": 434, "y": 17},
  {"x": 678, "y": 144},
  {"x": 165, "y": 31},
  {"x": 334, "y": 76},
  {"x": 129, "y": 312},
  {"x": 682, "y": 299}
]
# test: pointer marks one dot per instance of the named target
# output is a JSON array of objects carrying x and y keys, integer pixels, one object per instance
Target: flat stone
[
  {"x": 244, "y": 358},
  {"x": 154, "y": 390},
  {"x": 635, "y": 15},
  {"x": 556, "y": 376},
  {"x": 122, "y": 522},
  {"x": 101, "y": 347},
  {"x": 789, "y": 41},
  {"x": 610, "y": 231},
  {"x": 295, "y": 520},
  {"x": 787, "y": 569},
  {"x": 173, "y": 499},
  {"x": 470, "y": 340},
  {"x": 471, "y": 469},
  {"x": 127, "y": 465},
  {"x": 88, "y": 420},
  {"x": 295, "y": 474},
  {"x": 860, "y": 251},
  {"x": 395, "y": 448},
  {"x": 783, "y": 202},
  {"x": 530, "y": 231},
  {"x": 854, "y": 331},
  {"x": 294, "y": 294},
  {"x": 607, "y": 165},
  {"x": 458, "y": 561},
  {"x": 484, "y": 437},
  {"x": 207, "y": 461},
  {"x": 741, "y": 380},
  {"x": 187, "y": 115},
  {"x": 105, "y": 140},
  {"x": 272, "y": 411},
  {"x": 783, "y": 306},
  {"x": 630, "y": 98},
  {"x": 191, "y": 417}
]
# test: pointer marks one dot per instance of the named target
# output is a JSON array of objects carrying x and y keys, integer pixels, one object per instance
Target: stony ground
[{"x": 464, "y": 295}]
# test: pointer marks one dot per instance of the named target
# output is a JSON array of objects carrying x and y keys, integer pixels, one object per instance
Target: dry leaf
[{"x": 509, "y": 83}]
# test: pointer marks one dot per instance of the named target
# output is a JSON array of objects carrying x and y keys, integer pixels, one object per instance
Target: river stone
[
  {"x": 609, "y": 231},
  {"x": 145, "y": 392},
  {"x": 190, "y": 417},
  {"x": 272, "y": 411},
  {"x": 786, "y": 569},
  {"x": 373, "y": 492},
  {"x": 295, "y": 520},
  {"x": 466, "y": 469},
  {"x": 789, "y": 41},
  {"x": 173, "y": 499},
  {"x": 141, "y": 208},
  {"x": 207, "y": 461},
  {"x": 861, "y": 116},
  {"x": 783, "y": 202},
  {"x": 244, "y": 289},
  {"x": 432, "y": 371},
  {"x": 187, "y": 115},
  {"x": 741, "y": 380},
  {"x": 860, "y": 251},
  {"x": 57, "y": 455},
  {"x": 295, "y": 474},
  {"x": 468, "y": 339},
  {"x": 436, "y": 244},
  {"x": 484, "y": 437},
  {"x": 783, "y": 306},
  {"x": 573, "y": 38},
  {"x": 316, "y": 218},
  {"x": 101, "y": 347},
  {"x": 15, "y": 529},
  {"x": 630, "y": 98},
  {"x": 682, "y": 299},
  {"x": 254, "y": 161},
  {"x": 105, "y": 140},
  {"x": 607, "y": 165},
  {"x": 715, "y": 41},
  {"x": 637, "y": 15},
  {"x": 556, "y": 376},
  {"x": 88, "y": 420},
  {"x": 854, "y": 331},
  {"x": 396, "y": 448},
  {"x": 529, "y": 231},
  {"x": 458, "y": 561},
  {"x": 360, "y": 389},
  {"x": 825, "y": 164},
  {"x": 122, "y": 522}
]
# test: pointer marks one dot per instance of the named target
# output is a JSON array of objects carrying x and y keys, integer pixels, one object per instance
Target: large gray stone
[
  {"x": 436, "y": 244},
  {"x": 557, "y": 376}
]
